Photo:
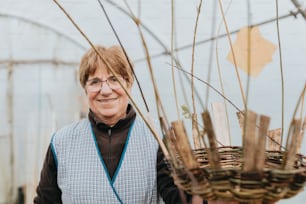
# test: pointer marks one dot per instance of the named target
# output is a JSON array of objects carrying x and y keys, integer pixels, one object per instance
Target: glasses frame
[{"x": 109, "y": 81}]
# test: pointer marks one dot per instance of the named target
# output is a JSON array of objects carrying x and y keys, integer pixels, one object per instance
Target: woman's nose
[{"x": 105, "y": 89}]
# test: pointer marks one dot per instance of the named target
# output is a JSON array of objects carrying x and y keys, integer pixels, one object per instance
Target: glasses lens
[
  {"x": 113, "y": 82},
  {"x": 95, "y": 85}
]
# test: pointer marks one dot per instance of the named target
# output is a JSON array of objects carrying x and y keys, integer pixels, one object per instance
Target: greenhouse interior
[{"x": 194, "y": 54}]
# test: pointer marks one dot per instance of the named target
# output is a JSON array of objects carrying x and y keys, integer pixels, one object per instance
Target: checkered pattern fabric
[{"x": 82, "y": 175}]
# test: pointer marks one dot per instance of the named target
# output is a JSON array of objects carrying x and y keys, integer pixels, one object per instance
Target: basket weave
[{"x": 231, "y": 183}]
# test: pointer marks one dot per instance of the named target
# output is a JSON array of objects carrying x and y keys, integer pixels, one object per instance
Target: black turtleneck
[{"x": 111, "y": 140}]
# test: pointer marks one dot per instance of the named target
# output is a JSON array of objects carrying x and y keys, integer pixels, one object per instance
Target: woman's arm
[
  {"x": 165, "y": 184},
  {"x": 47, "y": 190}
]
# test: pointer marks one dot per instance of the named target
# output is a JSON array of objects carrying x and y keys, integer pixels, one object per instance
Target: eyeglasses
[{"x": 95, "y": 84}]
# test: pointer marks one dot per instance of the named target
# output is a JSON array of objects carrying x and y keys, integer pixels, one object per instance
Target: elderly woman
[{"x": 111, "y": 156}]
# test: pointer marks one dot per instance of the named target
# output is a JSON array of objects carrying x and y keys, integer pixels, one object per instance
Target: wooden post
[
  {"x": 185, "y": 150},
  {"x": 291, "y": 145},
  {"x": 213, "y": 154},
  {"x": 301, "y": 136},
  {"x": 221, "y": 124},
  {"x": 260, "y": 155},
  {"x": 249, "y": 142},
  {"x": 274, "y": 139},
  {"x": 195, "y": 131}
]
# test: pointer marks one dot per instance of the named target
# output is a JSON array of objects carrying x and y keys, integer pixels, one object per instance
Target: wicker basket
[{"x": 230, "y": 182}]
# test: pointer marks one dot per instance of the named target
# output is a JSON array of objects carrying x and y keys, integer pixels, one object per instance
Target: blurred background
[{"x": 40, "y": 50}]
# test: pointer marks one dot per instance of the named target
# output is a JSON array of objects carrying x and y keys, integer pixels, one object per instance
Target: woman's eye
[
  {"x": 94, "y": 82},
  {"x": 113, "y": 79}
]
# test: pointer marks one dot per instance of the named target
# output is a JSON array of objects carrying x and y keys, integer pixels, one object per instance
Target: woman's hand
[
  {"x": 198, "y": 200},
  {"x": 234, "y": 202}
]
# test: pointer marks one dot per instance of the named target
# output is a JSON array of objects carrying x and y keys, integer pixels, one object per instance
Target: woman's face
[{"x": 108, "y": 104}]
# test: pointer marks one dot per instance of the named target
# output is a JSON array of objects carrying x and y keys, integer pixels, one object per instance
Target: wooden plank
[
  {"x": 183, "y": 145},
  {"x": 260, "y": 154},
  {"x": 221, "y": 124},
  {"x": 274, "y": 139},
  {"x": 195, "y": 131},
  {"x": 249, "y": 142},
  {"x": 213, "y": 154},
  {"x": 301, "y": 137},
  {"x": 291, "y": 146}
]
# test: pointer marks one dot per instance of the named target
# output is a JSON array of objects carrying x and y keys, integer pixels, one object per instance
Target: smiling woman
[{"x": 105, "y": 157}]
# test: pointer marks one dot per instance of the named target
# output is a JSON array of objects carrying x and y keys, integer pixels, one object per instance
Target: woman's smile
[{"x": 107, "y": 100}]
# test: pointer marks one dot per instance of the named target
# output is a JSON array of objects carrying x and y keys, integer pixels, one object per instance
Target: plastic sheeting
[
  {"x": 40, "y": 50},
  {"x": 39, "y": 93}
]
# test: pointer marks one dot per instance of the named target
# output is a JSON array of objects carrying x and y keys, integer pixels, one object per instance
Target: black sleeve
[
  {"x": 165, "y": 184},
  {"x": 47, "y": 190}
]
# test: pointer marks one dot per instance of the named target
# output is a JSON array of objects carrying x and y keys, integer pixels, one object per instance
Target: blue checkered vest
[{"x": 82, "y": 174}]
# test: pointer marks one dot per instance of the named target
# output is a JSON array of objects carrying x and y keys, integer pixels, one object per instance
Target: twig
[
  {"x": 131, "y": 67},
  {"x": 281, "y": 71},
  {"x": 195, "y": 128},
  {"x": 233, "y": 53}
]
